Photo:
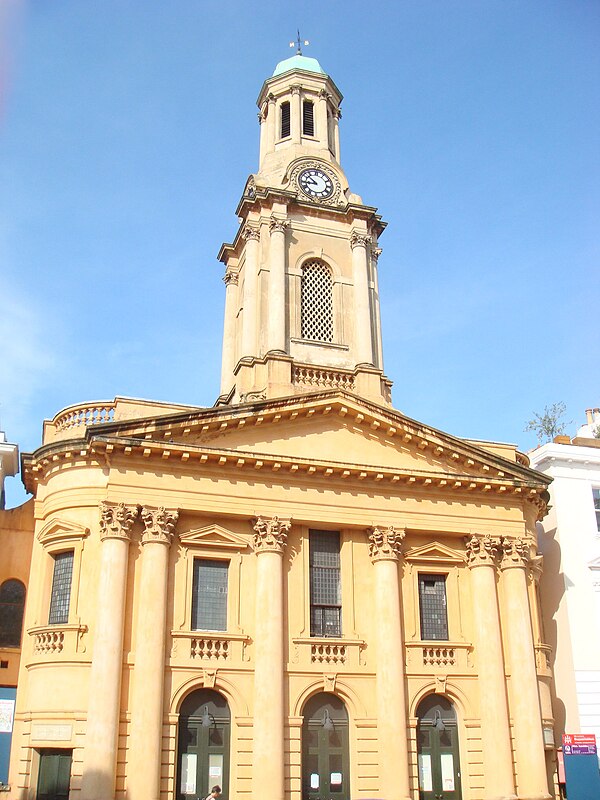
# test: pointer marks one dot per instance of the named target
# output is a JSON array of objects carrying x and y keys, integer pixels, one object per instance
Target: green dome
[{"x": 298, "y": 62}]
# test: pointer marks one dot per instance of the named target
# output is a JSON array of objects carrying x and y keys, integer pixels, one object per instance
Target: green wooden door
[
  {"x": 438, "y": 750},
  {"x": 54, "y": 774},
  {"x": 325, "y": 750},
  {"x": 204, "y": 745}
]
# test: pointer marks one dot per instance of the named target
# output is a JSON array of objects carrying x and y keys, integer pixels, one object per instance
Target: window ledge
[{"x": 210, "y": 646}]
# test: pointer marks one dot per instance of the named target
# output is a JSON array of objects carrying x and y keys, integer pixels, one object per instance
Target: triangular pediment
[
  {"x": 56, "y": 530},
  {"x": 213, "y": 536},
  {"x": 594, "y": 563},
  {"x": 434, "y": 552}
]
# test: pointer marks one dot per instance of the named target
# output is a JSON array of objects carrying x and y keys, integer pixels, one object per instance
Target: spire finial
[{"x": 298, "y": 43}]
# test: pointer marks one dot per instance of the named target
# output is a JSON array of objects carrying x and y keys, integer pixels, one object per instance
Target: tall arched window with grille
[
  {"x": 316, "y": 302},
  {"x": 12, "y": 605}
]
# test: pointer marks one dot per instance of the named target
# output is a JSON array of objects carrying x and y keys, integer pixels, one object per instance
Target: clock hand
[{"x": 310, "y": 181}]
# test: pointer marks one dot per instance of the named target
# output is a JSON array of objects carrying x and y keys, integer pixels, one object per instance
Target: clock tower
[{"x": 302, "y": 303}]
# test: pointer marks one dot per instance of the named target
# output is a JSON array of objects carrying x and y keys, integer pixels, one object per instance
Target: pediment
[
  {"x": 57, "y": 530},
  {"x": 594, "y": 564},
  {"x": 434, "y": 552},
  {"x": 213, "y": 536}
]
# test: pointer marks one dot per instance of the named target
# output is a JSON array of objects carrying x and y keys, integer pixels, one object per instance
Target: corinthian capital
[
  {"x": 359, "y": 240},
  {"x": 515, "y": 553},
  {"x": 159, "y": 525},
  {"x": 385, "y": 543},
  {"x": 482, "y": 550},
  {"x": 230, "y": 277},
  {"x": 116, "y": 521},
  {"x": 270, "y": 534},
  {"x": 278, "y": 225},
  {"x": 250, "y": 232},
  {"x": 375, "y": 253}
]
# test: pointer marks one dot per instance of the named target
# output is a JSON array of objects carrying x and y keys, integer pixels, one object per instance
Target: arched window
[
  {"x": 316, "y": 302},
  {"x": 12, "y": 606}
]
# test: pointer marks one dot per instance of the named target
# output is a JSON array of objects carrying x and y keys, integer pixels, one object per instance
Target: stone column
[
  {"x": 271, "y": 123},
  {"x": 532, "y": 781},
  {"x": 322, "y": 122},
  {"x": 145, "y": 741},
  {"x": 102, "y": 729},
  {"x": 495, "y": 728},
  {"x": 269, "y": 543},
  {"x": 378, "y": 356},
  {"x": 262, "y": 121},
  {"x": 363, "y": 334},
  {"x": 276, "y": 322},
  {"x": 296, "y": 114},
  {"x": 250, "y": 299},
  {"x": 228, "y": 357},
  {"x": 337, "y": 115},
  {"x": 384, "y": 549}
]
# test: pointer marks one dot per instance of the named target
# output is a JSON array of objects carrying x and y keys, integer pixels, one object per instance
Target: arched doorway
[
  {"x": 325, "y": 750},
  {"x": 437, "y": 747},
  {"x": 203, "y": 745}
]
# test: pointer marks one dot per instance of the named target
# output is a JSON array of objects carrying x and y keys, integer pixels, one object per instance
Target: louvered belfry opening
[
  {"x": 285, "y": 120},
  {"x": 308, "y": 118},
  {"x": 316, "y": 303}
]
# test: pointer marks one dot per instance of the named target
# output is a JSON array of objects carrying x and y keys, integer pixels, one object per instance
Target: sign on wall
[{"x": 581, "y": 766}]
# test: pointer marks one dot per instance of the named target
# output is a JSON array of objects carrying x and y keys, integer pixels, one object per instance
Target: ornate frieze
[
  {"x": 270, "y": 534},
  {"x": 159, "y": 524},
  {"x": 359, "y": 240},
  {"x": 278, "y": 225},
  {"x": 385, "y": 543},
  {"x": 116, "y": 521},
  {"x": 482, "y": 550},
  {"x": 515, "y": 553},
  {"x": 250, "y": 232}
]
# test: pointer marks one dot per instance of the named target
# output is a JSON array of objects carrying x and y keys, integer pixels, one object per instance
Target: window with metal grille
[
  {"x": 209, "y": 598},
  {"x": 596, "y": 494},
  {"x": 432, "y": 604},
  {"x": 308, "y": 118},
  {"x": 12, "y": 605},
  {"x": 285, "y": 120},
  {"x": 61, "y": 588},
  {"x": 325, "y": 587},
  {"x": 316, "y": 302}
]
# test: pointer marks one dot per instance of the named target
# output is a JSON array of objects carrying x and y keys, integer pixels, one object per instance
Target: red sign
[{"x": 579, "y": 744}]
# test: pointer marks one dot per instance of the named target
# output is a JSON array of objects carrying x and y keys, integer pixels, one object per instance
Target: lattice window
[
  {"x": 209, "y": 599},
  {"x": 61, "y": 588},
  {"x": 325, "y": 586},
  {"x": 316, "y": 304},
  {"x": 432, "y": 603}
]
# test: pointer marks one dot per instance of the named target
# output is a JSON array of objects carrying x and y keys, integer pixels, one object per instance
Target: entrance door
[
  {"x": 203, "y": 752},
  {"x": 437, "y": 742},
  {"x": 325, "y": 751},
  {"x": 54, "y": 774}
]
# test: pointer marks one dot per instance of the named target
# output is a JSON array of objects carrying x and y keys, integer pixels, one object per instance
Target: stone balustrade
[
  {"x": 340, "y": 653},
  {"x": 58, "y": 642},
  {"x": 192, "y": 646},
  {"x": 305, "y": 375},
  {"x": 543, "y": 660},
  {"x": 452, "y": 657}
]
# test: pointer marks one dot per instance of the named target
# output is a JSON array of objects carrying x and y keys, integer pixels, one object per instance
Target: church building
[{"x": 298, "y": 593}]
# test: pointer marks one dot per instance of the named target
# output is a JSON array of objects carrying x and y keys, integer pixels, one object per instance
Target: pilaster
[
  {"x": 277, "y": 299},
  {"x": 359, "y": 241},
  {"x": 148, "y": 674},
  {"x": 385, "y": 550},
  {"x": 269, "y": 541}
]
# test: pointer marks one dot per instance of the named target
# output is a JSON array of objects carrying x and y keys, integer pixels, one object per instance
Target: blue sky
[{"x": 128, "y": 129}]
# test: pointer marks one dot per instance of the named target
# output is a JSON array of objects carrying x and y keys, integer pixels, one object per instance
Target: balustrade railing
[
  {"x": 325, "y": 378},
  {"x": 340, "y": 653},
  {"x": 58, "y": 641},
  {"x": 429, "y": 657},
  {"x": 193, "y": 646}
]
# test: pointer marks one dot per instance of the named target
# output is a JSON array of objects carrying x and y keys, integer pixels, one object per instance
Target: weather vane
[{"x": 298, "y": 43}]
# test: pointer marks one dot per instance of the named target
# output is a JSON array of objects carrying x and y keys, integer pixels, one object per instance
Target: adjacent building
[
  {"x": 569, "y": 538},
  {"x": 299, "y": 592}
]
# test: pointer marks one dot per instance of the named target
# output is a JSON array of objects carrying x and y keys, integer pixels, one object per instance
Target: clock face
[{"x": 315, "y": 183}]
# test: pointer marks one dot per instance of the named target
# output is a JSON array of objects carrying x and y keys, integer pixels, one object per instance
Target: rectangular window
[
  {"x": 596, "y": 494},
  {"x": 432, "y": 604},
  {"x": 285, "y": 120},
  {"x": 209, "y": 598},
  {"x": 308, "y": 118},
  {"x": 325, "y": 586},
  {"x": 61, "y": 588}
]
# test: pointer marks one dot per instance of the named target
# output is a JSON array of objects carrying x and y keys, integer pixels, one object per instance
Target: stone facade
[{"x": 300, "y": 591}]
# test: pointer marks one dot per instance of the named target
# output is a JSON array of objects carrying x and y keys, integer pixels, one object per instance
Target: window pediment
[
  {"x": 434, "y": 553},
  {"x": 55, "y": 531},
  {"x": 213, "y": 536}
]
